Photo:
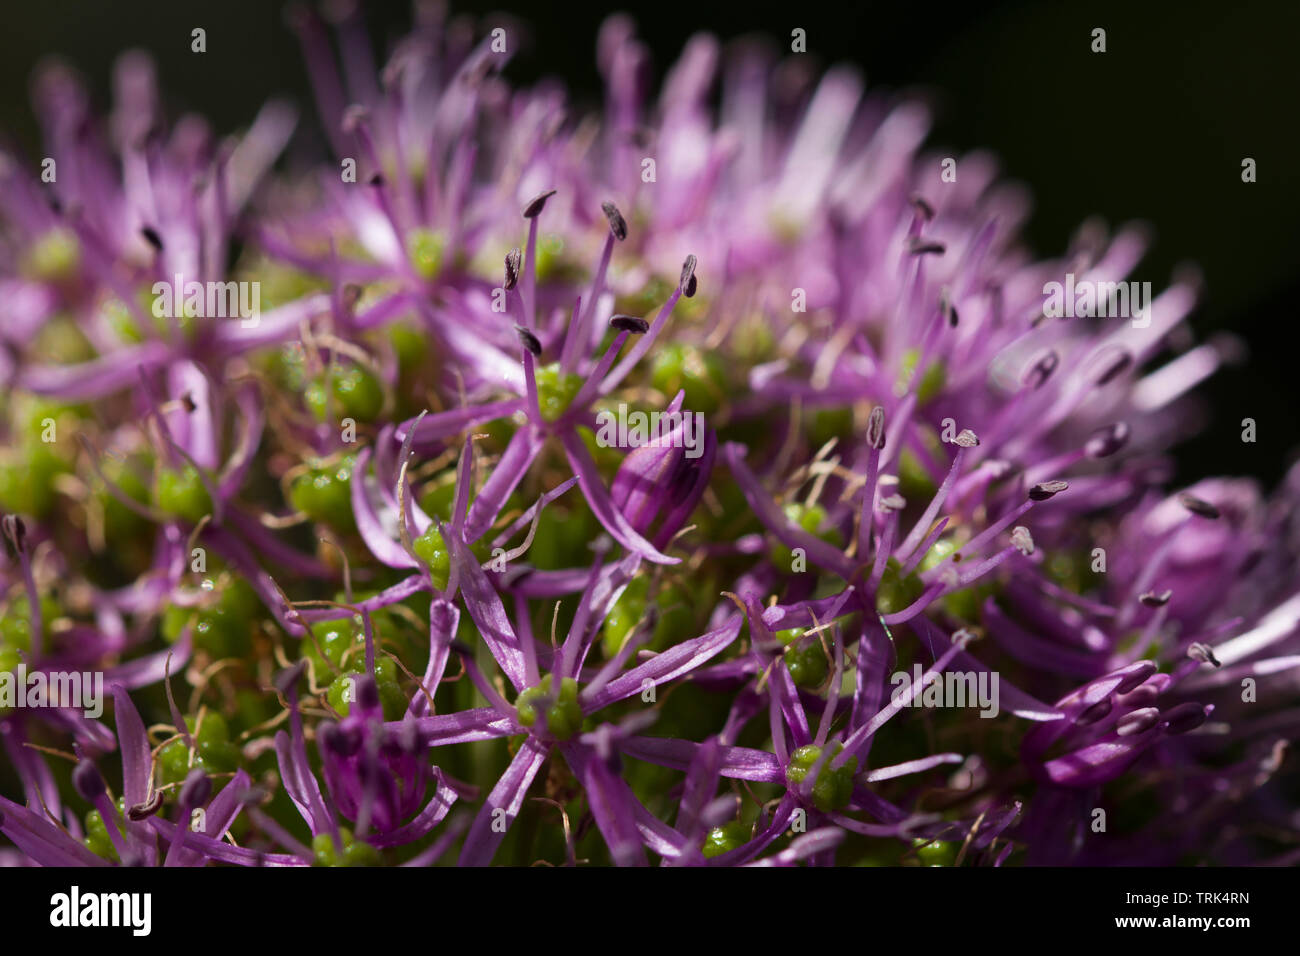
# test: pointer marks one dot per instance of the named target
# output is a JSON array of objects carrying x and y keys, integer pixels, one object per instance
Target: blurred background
[{"x": 1154, "y": 129}]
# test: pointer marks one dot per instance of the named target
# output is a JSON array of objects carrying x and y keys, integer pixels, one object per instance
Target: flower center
[
  {"x": 833, "y": 786},
  {"x": 181, "y": 494},
  {"x": 355, "y": 852},
  {"x": 563, "y": 713},
  {"x": 556, "y": 390}
]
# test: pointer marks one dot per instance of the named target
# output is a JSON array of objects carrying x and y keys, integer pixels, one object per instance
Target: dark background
[{"x": 1154, "y": 129}]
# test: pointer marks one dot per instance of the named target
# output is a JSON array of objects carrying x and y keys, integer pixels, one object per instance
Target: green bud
[
  {"x": 180, "y": 493},
  {"x": 834, "y": 787},
  {"x": 324, "y": 493},
  {"x": 563, "y": 711},
  {"x": 355, "y": 852},
  {"x": 936, "y": 852},
  {"x": 932, "y": 382},
  {"x": 897, "y": 592},
  {"x": 724, "y": 839},
  {"x": 391, "y": 699},
  {"x": 808, "y": 665},
  {"x": 556, "y": 390},
  {"x": 357, "y": 394},
  {"x": 54, "y": 256},
  {"x": 684, "y": 367},
  {"x": 16, "y": 622},
  {"x": 97, "y": 840},
  {"x": 427, "y": 251},
  {"x": 432, "y": 550}
]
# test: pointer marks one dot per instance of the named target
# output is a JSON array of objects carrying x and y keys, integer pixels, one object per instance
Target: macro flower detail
[{"x": 762, "y": 512}]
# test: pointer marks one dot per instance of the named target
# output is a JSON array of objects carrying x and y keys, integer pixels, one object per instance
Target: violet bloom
[
  {"x": 376, "y": 777},
  {"x": 551, "y": 708},
  {"x": 688, "y": 647},
  {"x": 138, "y": 836}
]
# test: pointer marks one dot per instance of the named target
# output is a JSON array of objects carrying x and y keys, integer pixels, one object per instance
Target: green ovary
[
  {"x": 673, "y": 616},
  {"x": 563, "y": 712},
  {"x": 355, "y": 852},
  {"x": 324, "y": 493},
  {"x": 896, "y": 591},
  {"x": 427, "y": 250},
  {"x": 16, "y": 622},
  {"x": 97, "y": 840},
  {"x": 556, "y": 390},
  {"x": 432, "y": 550},
  {"x": 180, "y": 493},
  {"x": 54, "y": 256},
  {"x": 724, "y": 839},
  {"x": 932, "y": 382},
  {"x": 214, "y": 752},
  {"x": 392, "y": 701},
  {"x": 936, "y": 852},
  {"x": 701, "y": 374},
  {"x": 833, "y": 787},
  {"x": 356, "y": 393},
  {"x": 806, "y": 659}
]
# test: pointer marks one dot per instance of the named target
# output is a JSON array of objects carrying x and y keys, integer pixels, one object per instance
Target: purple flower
[{"x": 875, "y": 440}]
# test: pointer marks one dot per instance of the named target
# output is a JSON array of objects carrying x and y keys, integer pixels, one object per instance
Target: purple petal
[{"x": 508, "y": 795}]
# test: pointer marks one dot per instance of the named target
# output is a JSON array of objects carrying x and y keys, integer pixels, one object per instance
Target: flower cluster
[{"x": 368, "y": 583}]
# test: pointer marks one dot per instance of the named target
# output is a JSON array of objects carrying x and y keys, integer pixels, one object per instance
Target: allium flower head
[{"x": 401, "y": 573}]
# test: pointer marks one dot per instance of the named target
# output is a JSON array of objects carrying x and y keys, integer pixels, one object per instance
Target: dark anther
[
  {"x": 1151, "y": 599},
  {"x": 530, "y": 341},
  {"x": 537, "y": 203},
  {"x": 617, "y": 224},
  {"x": 15, "y": 532},
  {"x": 1107, "y": 440},
  {"x": 947, "y": 309},
  {"x": 876, "y": 428},
  {"x": 151, "y": 234},
  {"x": 1198, "y": 507},
  {"x": 512, "y": 269},
  {"x": 629, "y": 323},
  {"x": 687, "y": 282},
  {"x": 1046, "y": 489},
  {"x": 1115, "y": 364},
  {"x": 142, "y": 811},
  {"x": 919, "y": 246},
  {"x": 1042, "y": 370}
]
